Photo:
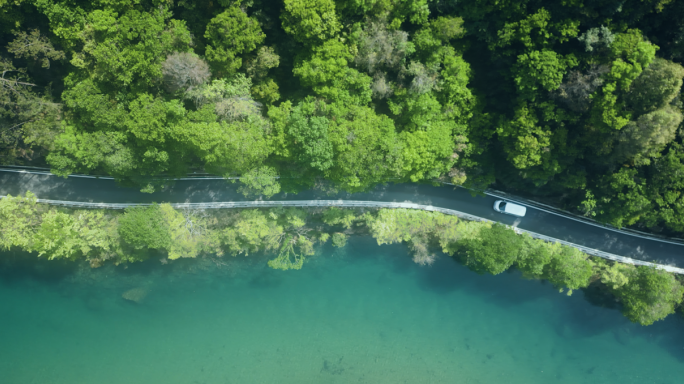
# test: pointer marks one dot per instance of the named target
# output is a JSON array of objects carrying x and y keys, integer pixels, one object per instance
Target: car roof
[{"x": 515, "y": 209}]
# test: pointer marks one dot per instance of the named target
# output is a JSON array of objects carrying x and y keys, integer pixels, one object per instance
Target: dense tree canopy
[{"x": 577, "y": 103}]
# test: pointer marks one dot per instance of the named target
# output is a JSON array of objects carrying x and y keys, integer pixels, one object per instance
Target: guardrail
[
  {"x": 491, "y": 192},
  {"x": 360, "y": 204}
]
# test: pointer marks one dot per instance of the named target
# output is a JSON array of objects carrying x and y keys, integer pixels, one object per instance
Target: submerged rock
[{"x": 136, "y": 295}]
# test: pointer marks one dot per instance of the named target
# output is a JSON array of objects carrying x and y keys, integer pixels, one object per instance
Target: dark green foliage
[
  {"x": 145, "y": 228},
  {"x": 494, "y": 251}
]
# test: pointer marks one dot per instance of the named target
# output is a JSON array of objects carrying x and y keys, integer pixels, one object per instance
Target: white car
[{"x": 509, "y": 208}]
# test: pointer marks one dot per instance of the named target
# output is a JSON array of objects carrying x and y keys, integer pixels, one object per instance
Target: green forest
[
  {"x": 287, "y": 236},
  {"x": 572, "y": 102}
]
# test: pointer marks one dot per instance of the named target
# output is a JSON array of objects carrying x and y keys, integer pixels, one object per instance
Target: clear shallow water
[{"x": 364, "y": 314}]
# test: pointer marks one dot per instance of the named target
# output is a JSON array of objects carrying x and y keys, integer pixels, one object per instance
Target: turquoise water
[{"x": 364, "y": 314}]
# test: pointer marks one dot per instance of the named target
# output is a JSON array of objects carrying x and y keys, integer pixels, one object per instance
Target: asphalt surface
[{"x": 197, "y": 191}]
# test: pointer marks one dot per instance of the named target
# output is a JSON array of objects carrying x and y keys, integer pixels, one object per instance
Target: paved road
[{"x": 197, "y": 191}]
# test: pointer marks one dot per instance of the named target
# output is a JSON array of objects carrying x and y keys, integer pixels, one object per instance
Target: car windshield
[{"x": 502, "y": 206}]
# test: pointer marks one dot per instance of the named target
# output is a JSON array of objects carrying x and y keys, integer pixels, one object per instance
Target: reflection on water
[{"x": 362, "y": 314}]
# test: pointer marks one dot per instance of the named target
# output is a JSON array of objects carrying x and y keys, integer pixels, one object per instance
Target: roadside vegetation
[{"x": 288, "y": 236}]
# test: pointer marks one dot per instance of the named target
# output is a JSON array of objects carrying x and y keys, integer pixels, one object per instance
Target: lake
[{"x": 361, "y": 314}]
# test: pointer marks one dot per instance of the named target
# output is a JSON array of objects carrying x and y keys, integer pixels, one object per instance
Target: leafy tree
[
  {"x": 260, "y": 181},
  {"x": 229, "y": 35},
  {"x": 366, "y": 149},
  {"x": 145, "y": 228},
  {"x": 310, "y": 22},
  {"x": 655, "y": 87},
  {"x": 187, "y": 232},
  {"x": 79, "y": 234},
  {"x": 569, "y": 268},
  {"x": 310, "y": 132},
  {"x": 328, "y": 73},
  {"x": 28, "y": 120},
  {"x": 128, "y": 49},
  {"x": 447, "y": 28},
  {"x": 264, "y": 88},
  {"x": 496, "y": 249},
  {"x": 251, "y": 232},
  {"x": 616, "y": 275},
  {"x": 19, "y": 217},
  {"x": 650, "y": 295},
  {"x": 535, "y": 255},
  {"x": 265, "y": 59},
  {"x": 541, "y": 70},
  {"x": 648, "y": 136},
  {"x": 631, "y": 54},
  {"x": 34, "y": 46}
]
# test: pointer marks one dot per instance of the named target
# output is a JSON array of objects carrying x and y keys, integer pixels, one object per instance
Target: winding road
[{"x": 205, "y": 190}]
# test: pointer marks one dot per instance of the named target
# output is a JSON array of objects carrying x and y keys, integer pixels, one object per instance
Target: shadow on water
[
  {"x": 16, "y": 267},
  {"x": 447, "y": 275}
]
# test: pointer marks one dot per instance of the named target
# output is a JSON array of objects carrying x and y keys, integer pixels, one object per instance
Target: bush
[
  {"x": 339, "y": 240},
  {"x": 650, "y": 295},
  {"x": 145, "y": 228},
  {"x": 494, "y": 251},
  {"x": 569, "y": 268}
]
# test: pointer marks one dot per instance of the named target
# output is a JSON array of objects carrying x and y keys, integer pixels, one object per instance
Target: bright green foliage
[
  {"x": 447, "y": 28},
  {"x": 427, "y": 137},
  {"x": 494, "y": 251},
  {"x": 366, "y": 149},
  {"x": 311, "y": 136},
  {"x": 537, "y": 70},
  {"x": 528, "y": 140},
  {"x": 397, "y": 225},
  {"x": 328, "y": 73},
  {"x": 616, "y": 275},
  {"x": 535, "y": 255},
  {"x": 188, "y": 232},
  {"x": 86, "y": 234},
  {"x": 631, "y": 55},
  {"x": 230, "y": 34},
  {"x": 650, "y": 295},
  {"x": 252, "y": 231},
  {"x": 310, "y": 21},
  {"x": 235, "y": 144},
  {"x": 569, "y": 268},
  {"x": 19, "y": 217},
  {"x": 535, "y": 31},
  {"x": 266, "y": 91},
  {"x": 560, "y": 98},
  {"x": 145, "y": 228},
  {"x": 260, "y": 181},
  {"x": 127, "y": 49},
  {"x": 339, "y": 240}
]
